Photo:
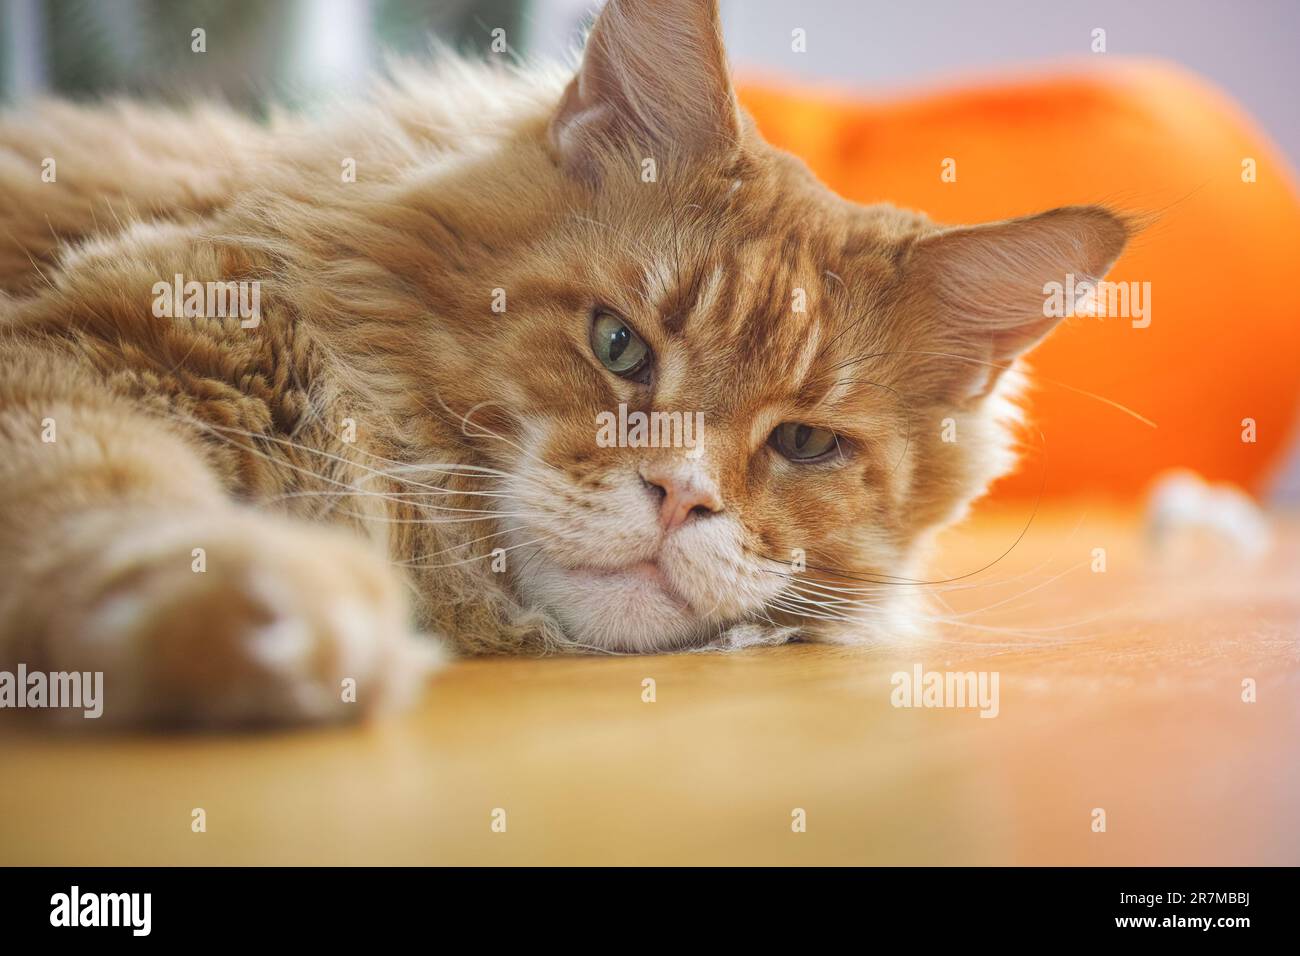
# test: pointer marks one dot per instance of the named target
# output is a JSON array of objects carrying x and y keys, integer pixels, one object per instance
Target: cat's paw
[{"x": 239, "y": 619}]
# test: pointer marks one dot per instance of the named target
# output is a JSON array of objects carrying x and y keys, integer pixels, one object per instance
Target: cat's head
[{"x": 842, "y": 369}]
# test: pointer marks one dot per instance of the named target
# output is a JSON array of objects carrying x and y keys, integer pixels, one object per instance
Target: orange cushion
[{"x": 1222, "y": 258}]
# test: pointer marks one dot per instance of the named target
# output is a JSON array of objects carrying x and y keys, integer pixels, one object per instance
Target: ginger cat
[{"x": 233, "y": 516}]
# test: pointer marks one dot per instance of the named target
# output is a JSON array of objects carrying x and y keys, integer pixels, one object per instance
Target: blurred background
[
  {"x": 909, "y": 84},
  {"x": 294, "y": 48}
]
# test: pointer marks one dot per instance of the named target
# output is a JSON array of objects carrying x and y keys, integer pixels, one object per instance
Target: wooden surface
[{"x": 1119, "y": 690}]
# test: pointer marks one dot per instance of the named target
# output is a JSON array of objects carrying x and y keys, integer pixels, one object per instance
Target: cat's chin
[{"x": 634, "y": 608}]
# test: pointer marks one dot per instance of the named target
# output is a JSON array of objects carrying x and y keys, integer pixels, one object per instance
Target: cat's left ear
[
  {"x": 995, "y": 283},
  {"x": 654, "y": 74}
]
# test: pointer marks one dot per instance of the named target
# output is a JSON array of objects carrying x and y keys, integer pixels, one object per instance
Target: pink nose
[{"x": 681, "y": 496}]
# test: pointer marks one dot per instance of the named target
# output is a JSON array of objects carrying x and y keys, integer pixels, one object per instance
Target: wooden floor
[{"x": 1120, "y": 690}]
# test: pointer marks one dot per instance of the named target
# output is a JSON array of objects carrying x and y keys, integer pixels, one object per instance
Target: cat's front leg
[
  {"x": 227, "y": 617},
  {"x": 122, "y": 557}
]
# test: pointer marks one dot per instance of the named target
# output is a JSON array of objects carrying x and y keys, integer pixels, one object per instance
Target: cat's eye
[
  {"x": 619, "y": 348},
  {"x": 802, "y": 443}
]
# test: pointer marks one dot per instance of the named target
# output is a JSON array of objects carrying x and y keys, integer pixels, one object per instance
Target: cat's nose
[{"x": 682, "y": 495}]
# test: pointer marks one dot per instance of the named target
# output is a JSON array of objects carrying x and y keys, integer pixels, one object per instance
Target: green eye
[
  {"x": 802, "y": 442},
  {"x": 619, "y": 348}
]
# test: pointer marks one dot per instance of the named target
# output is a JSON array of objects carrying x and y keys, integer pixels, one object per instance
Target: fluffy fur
[{"x": 366, "y": 447}]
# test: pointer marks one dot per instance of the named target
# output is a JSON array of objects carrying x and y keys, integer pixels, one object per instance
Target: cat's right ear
[
  {"x": 654, "y": 75},
  {"x": 989, "y": 283}
]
